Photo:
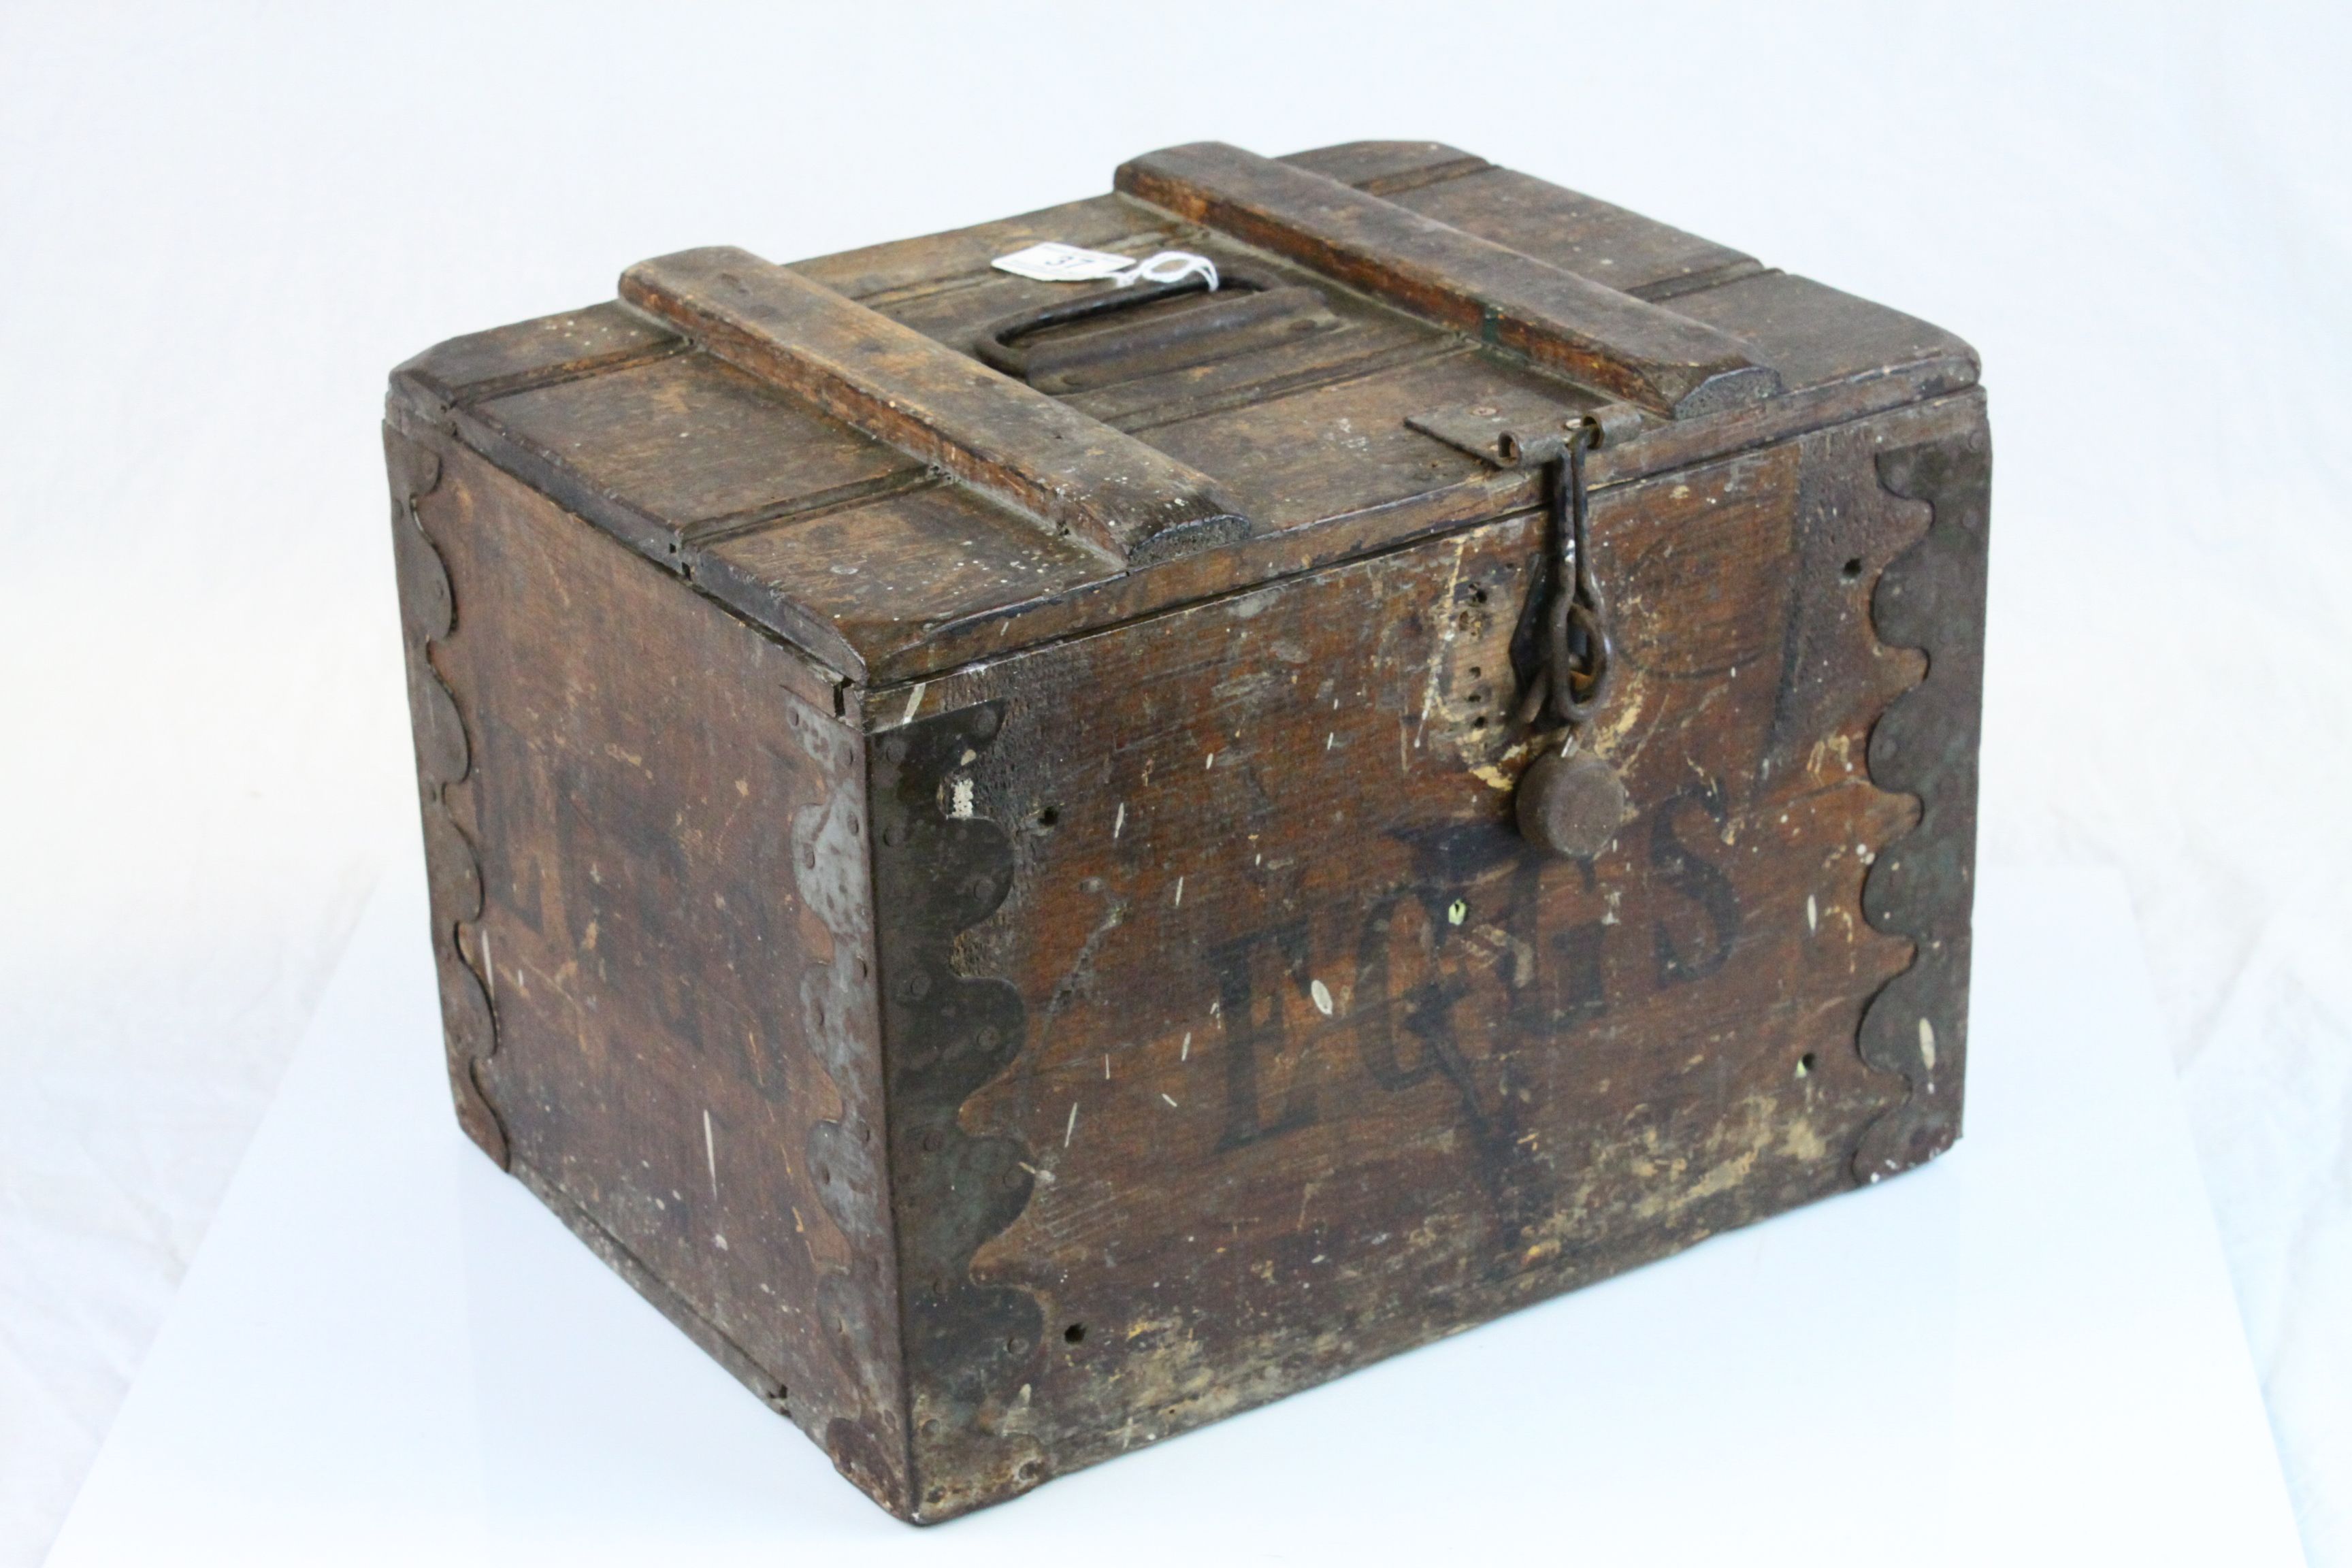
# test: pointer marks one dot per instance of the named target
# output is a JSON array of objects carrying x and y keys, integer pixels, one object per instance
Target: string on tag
[
  {"x": 1170, "y": 267},
  {"x": 1051, "y": 261}
]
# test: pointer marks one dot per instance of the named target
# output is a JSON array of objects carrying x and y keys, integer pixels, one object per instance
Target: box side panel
[
  {"x": 1317, "y": 1059},
  {"x": 670, "y": 1031}
]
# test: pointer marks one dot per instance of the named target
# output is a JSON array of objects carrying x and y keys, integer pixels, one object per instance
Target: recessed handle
[{"x": 1251, "y": 310}]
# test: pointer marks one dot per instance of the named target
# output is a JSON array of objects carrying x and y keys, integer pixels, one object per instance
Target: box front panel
[{"x": 1316, "y": 1057}]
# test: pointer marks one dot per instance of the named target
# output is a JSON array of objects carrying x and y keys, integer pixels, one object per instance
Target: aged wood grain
[
  {"x": 1076, "y": 474},
  {"x": 1846, "y": 357},
  {"x": 675, "y": 938},
  {"x": 1012, "y": 994},
  {"x": 1388, "y": 168},
  {"x": 1572, "y": 231},
  {"x": 506, "y": 359},
  {"x": 1646, "y": 259},
  {"x": 1586, "y": 330},
  {"x": 874, "y": 274},
  {"x": 697, "y": 444},
  {"x": 1322, "y": 1058}
]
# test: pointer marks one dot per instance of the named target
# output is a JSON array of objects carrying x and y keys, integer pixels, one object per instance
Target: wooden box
[{"x": 1038, "y": 863}]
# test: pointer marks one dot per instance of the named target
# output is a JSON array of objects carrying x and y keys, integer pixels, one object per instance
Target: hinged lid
[{"x": 903, "y": 459}]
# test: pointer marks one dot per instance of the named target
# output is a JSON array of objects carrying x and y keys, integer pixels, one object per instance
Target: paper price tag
[{"x": 1053, "y": 262}]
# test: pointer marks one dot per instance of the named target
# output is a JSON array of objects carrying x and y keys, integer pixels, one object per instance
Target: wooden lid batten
[
  {"x": 1073, "y": 474},
  {"x": 1568, "y": 324}
]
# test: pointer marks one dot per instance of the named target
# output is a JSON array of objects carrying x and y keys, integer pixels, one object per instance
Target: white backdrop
[{"x": 217, "y": 232}]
